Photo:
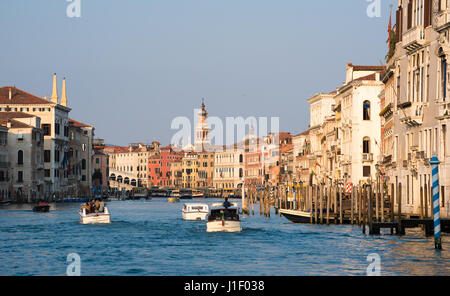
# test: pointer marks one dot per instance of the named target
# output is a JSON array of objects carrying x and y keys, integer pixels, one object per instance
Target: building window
[
  {"x": 57, "y": 129},
  {"x": 366, "y": 145},
  {"x": 46, "y": 155},
  {"x": 366, "y": 110},
  {"x": 56, "y": 155},
  {"x": 20, "y": 157},
  {"x": 46, "y": 128},
  {"x": 97, "y": 160},
  {"x": 20, "y": 176},
  {"x": 83, "y": 164},
  {"x": 366, "y": 171},
  {"x": 47, "y": 173}
]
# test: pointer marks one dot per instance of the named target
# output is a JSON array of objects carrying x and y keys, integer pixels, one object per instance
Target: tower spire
[
  {"x": 54, "y": 97},
  {"x": 63, "y": 95}
]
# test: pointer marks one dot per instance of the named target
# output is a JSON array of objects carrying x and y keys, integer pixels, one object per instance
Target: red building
[{"x": 159, "y": 166}]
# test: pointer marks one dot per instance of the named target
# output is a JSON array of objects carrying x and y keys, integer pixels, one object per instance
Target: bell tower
[{"x": 202, "y": 130}]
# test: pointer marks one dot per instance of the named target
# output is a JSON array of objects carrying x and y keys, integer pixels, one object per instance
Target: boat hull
[
  {"x": 296, "y": 216},
  {"x": 41, "y": 209},
  {"x": 223, "y": 226},
  {"x": 95, "y": 219},
  {"x": 194, "y": 216}
]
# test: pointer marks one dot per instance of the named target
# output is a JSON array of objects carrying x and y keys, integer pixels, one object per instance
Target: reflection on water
[{"x": 150, "y": 238}]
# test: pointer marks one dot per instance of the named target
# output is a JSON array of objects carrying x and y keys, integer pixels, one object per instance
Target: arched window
[
  {"x": 20, "y": 157},
  {"x": 366, "y": 110},
  {"x": 366, "y": 145}
]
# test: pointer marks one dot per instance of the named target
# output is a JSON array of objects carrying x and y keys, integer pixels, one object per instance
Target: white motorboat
[
  {"x": 195, "y": 212},
  {"x": 95, "y": 218},
  {"x": 224, "y": 217}
]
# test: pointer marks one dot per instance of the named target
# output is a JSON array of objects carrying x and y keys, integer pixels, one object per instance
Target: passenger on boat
[
  {"x": 97, "y": 206},
  {"x": 87, "y": 208},
  {"x": 92, "y": 206},
  {"x": 101, "y": 208}
]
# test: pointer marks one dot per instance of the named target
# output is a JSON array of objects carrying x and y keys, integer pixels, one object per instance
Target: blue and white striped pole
[{"x": 436, "y": 210}]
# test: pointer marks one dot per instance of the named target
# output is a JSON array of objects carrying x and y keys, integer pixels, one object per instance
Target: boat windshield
[{"x": 225, "y": 214}]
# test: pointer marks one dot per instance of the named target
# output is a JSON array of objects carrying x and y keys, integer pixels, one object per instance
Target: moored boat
[
  {"x": 95, "y": 218},
  {"x": 140, "y": 193},
  {"x": 195, "y": 212},
  {"x": 296, "y": 216},
  {"x": 5, "y": 202},
  {"x": 175, "y": 193},
  {"x": 224, "y": 217},
  {"x": 198, "y": 194},
  {"x": 186, "y": 194}
]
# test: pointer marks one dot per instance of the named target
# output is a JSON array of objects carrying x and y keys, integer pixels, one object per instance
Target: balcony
[
  {"x": 412, "y": 114},
  {"x": 387, "y": 159},
  {"x": 414, "y": 39},
  {"x": 367, "y": 157},
  {"x": 442, "y": 20},
  {"x": 444, "y": 111},
  {"x": 420, "y": 155}
]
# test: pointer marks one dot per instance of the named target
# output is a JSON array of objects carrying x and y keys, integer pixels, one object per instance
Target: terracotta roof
[
  {"x": 305, "y": 133},
  {"x": 286, "y": 148},
  {"x": 19, "y": 96},
  {"x": 77, "y": 124},
  {"x": 14, "y": 123},
  {"x": 366, "y": 68},
  {"x": 371, "y": 77},
  {"x": 9, "y": 115}
]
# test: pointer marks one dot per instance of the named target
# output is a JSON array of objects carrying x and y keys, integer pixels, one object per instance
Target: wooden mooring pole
[
  {"x": 341, "y": 210},
  {"x": 364, "y": 201},
  {"x": 320, "y": 194},
  {"x": 328, "y": 204},
  {"x": 310, "y": 203}
]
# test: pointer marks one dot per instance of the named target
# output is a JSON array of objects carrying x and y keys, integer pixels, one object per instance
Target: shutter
[
  {"x": 427, "y": 13},
  {"x": 409, "y": 14}
]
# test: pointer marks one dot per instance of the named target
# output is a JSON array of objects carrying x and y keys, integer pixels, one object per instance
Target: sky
[{"x": 134, "y": 66}]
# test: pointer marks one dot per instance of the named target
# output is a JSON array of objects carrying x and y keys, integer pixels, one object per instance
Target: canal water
[{"x": 150, "y": 238}]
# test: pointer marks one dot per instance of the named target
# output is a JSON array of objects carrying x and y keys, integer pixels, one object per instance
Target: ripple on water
[{"x": 150, "y": 238}]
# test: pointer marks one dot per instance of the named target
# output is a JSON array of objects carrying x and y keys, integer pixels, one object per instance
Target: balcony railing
[
  {"x": 414, "y": 38},
  {"x": 412, "y": 114},
  {"x": 420, "y": 155},
  {"x": 367, "y": 157},
  {"x": 444, "y": 110},
  {"x": 442, "y": 20}
]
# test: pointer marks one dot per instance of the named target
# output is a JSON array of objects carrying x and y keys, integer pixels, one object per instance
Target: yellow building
[{"x": 190, "y": 165}]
